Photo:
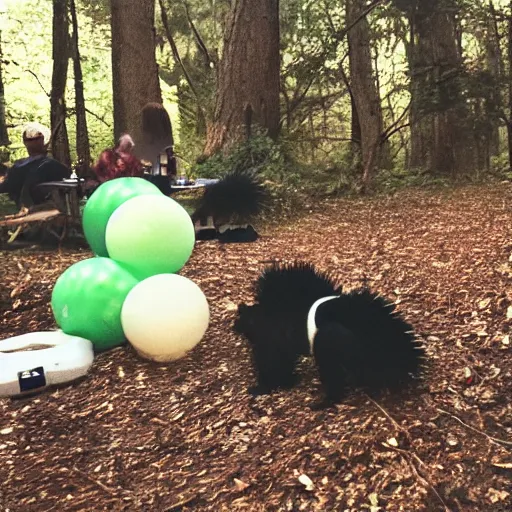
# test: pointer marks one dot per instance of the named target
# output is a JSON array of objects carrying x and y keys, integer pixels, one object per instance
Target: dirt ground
[{"x": 138, "y": 436}]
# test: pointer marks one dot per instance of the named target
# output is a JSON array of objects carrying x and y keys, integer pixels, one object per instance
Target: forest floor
[{"x": 186, "y": 436}]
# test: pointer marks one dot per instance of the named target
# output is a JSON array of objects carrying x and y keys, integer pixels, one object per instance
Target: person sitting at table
[
  {"x": 116, "y": 162},
  {"x": 22, "y": 178}
]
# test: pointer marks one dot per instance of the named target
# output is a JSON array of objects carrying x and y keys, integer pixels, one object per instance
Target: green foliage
[
  {"x": 27, "y": 71},
  {"x": 259, "y": 153},
  {"x": 287, "y": 180},
  {"x": 390, "y": 180},
  {"x": 314, "y": 155}
]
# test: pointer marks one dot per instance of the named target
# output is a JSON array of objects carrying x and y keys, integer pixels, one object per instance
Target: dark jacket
[{"x": 24, "y": 176}]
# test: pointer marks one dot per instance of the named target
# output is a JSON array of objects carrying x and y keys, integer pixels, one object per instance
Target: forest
[
  {"x": 319, "y": 319},
  {"x": 335, "y": 95}
]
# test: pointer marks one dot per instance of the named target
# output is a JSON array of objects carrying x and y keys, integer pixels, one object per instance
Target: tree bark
[
  {"x": 60, "y": 52},
  {"x": 134, "y": 69},
  {"x": 509, "y": 58},
  {"x": 4, "y": 136},
  {"x": 247, "y": 92},
  {"x": 364, "y": 91},
  {"x": 494, "y": 65},
  {"x": 83, "y": 151},
  {"x": 441, "y": 137}
]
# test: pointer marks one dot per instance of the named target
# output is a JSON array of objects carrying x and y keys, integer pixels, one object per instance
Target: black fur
[
  {"x": 236, "y": 199},
  {"x": 361, "y": 341}
]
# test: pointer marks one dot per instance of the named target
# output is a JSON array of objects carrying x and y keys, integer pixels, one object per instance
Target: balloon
[
  {"x": 165, "y": 316},
  {"x": 151, "y": 235},
  {"x": 105, "y": 200},
  {"x": 87, "y": 301}
]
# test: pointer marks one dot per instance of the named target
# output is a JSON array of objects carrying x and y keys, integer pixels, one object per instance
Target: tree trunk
[
  {"x": 60, "y": 52},
  {"x": 4, "y": 136},
  {"x": 83, "y": 151},
  {"x": 421, "y": 129},
  {"x": 494, "y": 65},
  {"x": 134, "y": 69},
  {"x": 248, "y": 75},
  {"x": 441, "y": 138},
  {"x": 509, "y": 58},
  {"x": 364, "y": 90}
]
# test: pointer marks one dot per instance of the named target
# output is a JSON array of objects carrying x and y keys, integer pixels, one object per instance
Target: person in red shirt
[{"x": 118, "y": 162}]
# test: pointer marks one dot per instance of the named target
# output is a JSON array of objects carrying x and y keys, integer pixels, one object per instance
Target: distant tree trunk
[
  {"x": 248, "y": 76},
  {"x": 60, "y": 44},
  {"x": 494, "y": 65},
  {"x": 4, "y": 136},
  {"x": 509, "y": 58},
  {"x": 421, "y": 129},
  {"x": 441, "y": 138},
  {"x": 83, "y": 150},
  {"x": 134, "y": 69},
  {"x": 355, "y": 127},
  {"x": 364, "y": 91}
]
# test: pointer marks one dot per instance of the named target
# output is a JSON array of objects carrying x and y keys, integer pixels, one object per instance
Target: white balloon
[{"x": 165, "y": 316}]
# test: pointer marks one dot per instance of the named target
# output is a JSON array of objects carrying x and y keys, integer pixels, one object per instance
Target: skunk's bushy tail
[
  {"x": 238, "y": 197},
  {"x": 293, "y": 286},
  {"x": 376, "y": 349}
]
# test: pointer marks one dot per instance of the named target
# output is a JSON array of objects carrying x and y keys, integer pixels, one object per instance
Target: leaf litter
[{"x": 135, "y": 435}]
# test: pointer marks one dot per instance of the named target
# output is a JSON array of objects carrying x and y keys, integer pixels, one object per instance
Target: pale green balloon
[
  {"x": 104, "y": 201},
  {"x": 150, "y": 235}
]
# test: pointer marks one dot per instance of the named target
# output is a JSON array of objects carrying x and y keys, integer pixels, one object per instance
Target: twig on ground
[
  {"x": 423, "y": 480},
  {"x": 182, "y": 503},
  {"x": 494, "y": 440},
  {"x": 386, "y": 413},
  {"x": 409, "y": 455},
  {"x": 106, "y": 488}
]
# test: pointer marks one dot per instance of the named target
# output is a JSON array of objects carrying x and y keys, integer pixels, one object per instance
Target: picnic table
[
  {"x": 55, "y": 217},
  {"x": 61, "y": 213}
]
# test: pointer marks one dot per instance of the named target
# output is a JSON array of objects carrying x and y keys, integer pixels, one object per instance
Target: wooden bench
[{"x": 55, "y": 217}]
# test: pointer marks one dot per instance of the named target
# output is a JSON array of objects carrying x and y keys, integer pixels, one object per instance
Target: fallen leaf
[
  {"x": 240, "y": 485},
  {"x": 482, "y": 304},
  {"x": 6, "y": 431},
  {"x": 306, "y": 482},
  {"x": 503, "y": 465},
  {"x": 494, "y": 495},
  {"x": 392, "y": 442},
  {"x": 509, "y": 313}
]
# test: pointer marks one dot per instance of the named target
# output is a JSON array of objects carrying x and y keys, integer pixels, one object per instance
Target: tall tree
[
  {"x": 4, "y": 136},
  {"x": 83, "y": 151},
  {"x": 508, "y": 115},
  {"x": 440, "y": 120},
  {"x": 60, "y": 51},
  {"x": 365, "y": 98},
  {"x": 247, "y": 92},
  {"x": 135, "y": 72}
]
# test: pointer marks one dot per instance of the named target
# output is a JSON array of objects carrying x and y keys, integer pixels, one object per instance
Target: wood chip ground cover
[{"x": 138, "y": 436}]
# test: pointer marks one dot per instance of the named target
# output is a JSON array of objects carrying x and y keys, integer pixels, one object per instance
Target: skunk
[
  {"x": 228, "y": 208},
  {"x": 357, "y": 339}
]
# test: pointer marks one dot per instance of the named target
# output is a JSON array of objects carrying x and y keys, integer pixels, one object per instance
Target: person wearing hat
[{"x": 25, "y": 174}]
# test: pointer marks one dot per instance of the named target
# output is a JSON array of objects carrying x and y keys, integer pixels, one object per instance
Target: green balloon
[
  {"x": 87, "y": 300},
  {"x": 105, "y": 200},
  {"x": 150, "y": 235}
]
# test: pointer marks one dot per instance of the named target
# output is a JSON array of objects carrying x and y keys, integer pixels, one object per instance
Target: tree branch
[
  {"x": 198, "y": 38},
  {"x": 342, "y": 33},
  {"x": 38, "y": 81},
  {"x": 174, "y": 48}
]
